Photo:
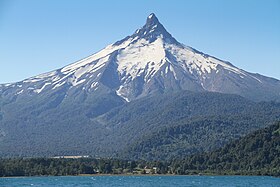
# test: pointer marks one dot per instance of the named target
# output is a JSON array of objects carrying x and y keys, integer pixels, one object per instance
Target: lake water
[{"x": 141, "y": 181}]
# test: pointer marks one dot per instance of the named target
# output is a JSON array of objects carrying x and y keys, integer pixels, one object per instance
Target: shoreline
[{"x": 138, "y": 175}]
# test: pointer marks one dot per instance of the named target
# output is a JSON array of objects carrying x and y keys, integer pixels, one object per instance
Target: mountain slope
[
  {"x": 149, "y": 61},
  {"x": 257, "y": 153},
  {"x": 63, "y": 130},
  {"x": 174, "y": 125}
]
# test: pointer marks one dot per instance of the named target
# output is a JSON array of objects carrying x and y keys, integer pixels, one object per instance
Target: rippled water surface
[{"x": 149, "y": 181}]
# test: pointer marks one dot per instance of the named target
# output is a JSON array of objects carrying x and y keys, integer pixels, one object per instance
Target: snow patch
[
  {"x": 141, "y": 56},
  {"x": 44, "y": 75},
  {"x": 58, "y": 85},
  {"x": 81, "y": 71},
  {"x": 101, "y": 54},
  {"x": 75, "y": 82},
  {"x": 42, "y": 88},
  {"x": 150, "y": 16},
  {"x": 166, "y": 69},
  {"x": 31, "y": 80},
  {"x": 255, "y": 78},
  {"x": 174, "y": 73},
  {"x": 198, "y": 62},
  {"x": 202, "y": 85},
  {"x": 94, "y": 84},
  {"x": 19, "y": 92},
  {"x": 119, "y": 93}
]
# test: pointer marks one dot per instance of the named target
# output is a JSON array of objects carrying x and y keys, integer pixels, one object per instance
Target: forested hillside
[
  {"x": 256, "y": 154},
  {"x": 186, "y": 123},
  {"x": 183, "y": 123}
]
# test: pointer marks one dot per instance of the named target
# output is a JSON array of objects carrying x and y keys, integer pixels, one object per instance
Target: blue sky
[{"x": 40, "y": 36}]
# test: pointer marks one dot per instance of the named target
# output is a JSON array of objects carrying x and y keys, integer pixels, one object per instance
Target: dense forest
[
  {"x": 185, "y": 123},
  {"x": 255, "y": 154},
  {"x": 195, "y": 136}
]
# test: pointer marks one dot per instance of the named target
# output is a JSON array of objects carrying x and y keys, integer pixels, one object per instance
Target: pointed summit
[
  {"x": 153, "y": 29},
  {"x": 153, "y": 24},
  {"x": 152, "y": 20},
  {"x": 152, "y": 15}
]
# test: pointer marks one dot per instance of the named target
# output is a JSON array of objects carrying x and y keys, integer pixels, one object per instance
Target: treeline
[
  {"x": 65, "y": 166},
  {"x": 255, "y": 154}
]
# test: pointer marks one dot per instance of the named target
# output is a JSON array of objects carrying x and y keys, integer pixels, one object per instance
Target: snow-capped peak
[
  {"x": 150, "y": 60},
  {"x": 152, "y": 30},
  {"x": 152, "y": 20},
  {"x": 151, "y": 16}
]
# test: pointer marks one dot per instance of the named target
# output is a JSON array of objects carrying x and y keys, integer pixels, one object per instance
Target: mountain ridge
[{"x": 150, "y": 61}]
